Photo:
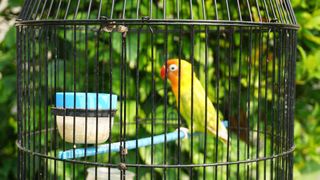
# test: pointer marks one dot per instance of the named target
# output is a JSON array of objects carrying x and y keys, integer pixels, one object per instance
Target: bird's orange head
[
  {"x": 175, "y": 70},
  {"x": 171, "y": 70}
]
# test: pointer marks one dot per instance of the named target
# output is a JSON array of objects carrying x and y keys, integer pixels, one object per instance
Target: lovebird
[{"x": 172, "y": 71}]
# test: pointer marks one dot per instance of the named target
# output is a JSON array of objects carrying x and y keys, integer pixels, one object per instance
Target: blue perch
[{"x": 115, "y": 147}]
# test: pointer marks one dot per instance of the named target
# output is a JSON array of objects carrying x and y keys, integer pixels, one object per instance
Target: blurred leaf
[
  {"x": 310, "y": 36},
  {"x": 10, "y": 39},
  {"x": 14, "y": 3}
]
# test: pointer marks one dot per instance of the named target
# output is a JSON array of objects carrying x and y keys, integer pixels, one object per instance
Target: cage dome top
[{"x": 249, "y": 12}]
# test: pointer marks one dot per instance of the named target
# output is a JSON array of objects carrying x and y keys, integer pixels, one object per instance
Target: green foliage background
[{"x": 307, "y": 113}]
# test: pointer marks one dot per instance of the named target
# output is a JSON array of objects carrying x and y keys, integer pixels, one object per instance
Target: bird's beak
[{"x": 163, "y": 72}]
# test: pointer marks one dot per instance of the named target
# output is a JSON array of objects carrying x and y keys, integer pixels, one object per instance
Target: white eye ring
[{"x": 173, "y": 67}]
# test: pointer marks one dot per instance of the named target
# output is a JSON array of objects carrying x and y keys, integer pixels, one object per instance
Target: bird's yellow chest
[{"x": 187, "y": 107}]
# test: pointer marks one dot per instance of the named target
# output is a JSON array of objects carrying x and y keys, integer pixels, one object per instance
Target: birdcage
[{"x": 156, "y": 89}]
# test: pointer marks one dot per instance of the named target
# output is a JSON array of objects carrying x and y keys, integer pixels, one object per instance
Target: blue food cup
[{"x": 78, "y": 114}]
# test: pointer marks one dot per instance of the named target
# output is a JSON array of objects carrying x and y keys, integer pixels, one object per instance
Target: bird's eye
[{"x": 173, "y": 67}]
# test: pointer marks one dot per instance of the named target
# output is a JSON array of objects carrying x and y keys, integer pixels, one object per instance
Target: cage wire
[{"x": 99, "y": 96}]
